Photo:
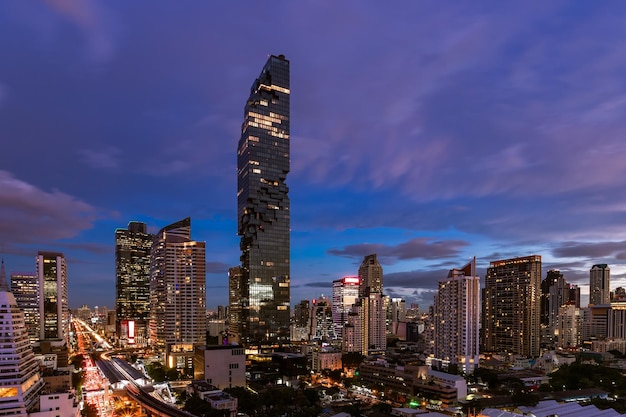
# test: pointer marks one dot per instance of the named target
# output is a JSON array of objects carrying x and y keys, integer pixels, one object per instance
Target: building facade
[
  {"x": 511, "y": 306},
  {"x": 54, "y": 314},
  {"x": 25, "y": 289},
  {"x": 371, "y": 275},
  {"x": 599, "y": 284},
  {"x": 457, "y": 319},
  {"x": 177, "y": 293},
  {"x": 223, "y": 366},
  {"x": 263, "y": 207},
  {"x": 20, "y": 380},
  {"x": 132, "y": 283},
  {"x": 345, "y": 293}
]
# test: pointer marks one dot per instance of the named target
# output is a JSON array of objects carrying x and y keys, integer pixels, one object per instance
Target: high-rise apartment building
[
  {"x": 371, "y": 275},
  {"x": 511, "y": 306},
  {"x": 132, "y": 283},
  {"x": 20, "y": 380},
  {"x": 345, "y": 293},
  {"x": 54, "y": 314},
  {"x": 25, "y": 289},
  {"x": 235, "y": 302},
  {"x": 457, "y": 319},
  {"x": 599, "y": 284},
  {"x": 263, "y": 207},
  {"x": 177, "y": 293}
]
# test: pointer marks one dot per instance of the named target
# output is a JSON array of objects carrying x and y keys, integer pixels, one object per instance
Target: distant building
[
  {"x": 132, "y": 284},
  {"x": 25, "y": 288},
  {"x": 301, "y": 320},
  {"x": 223, "y": 366},
  {"x": 326, "y": 359},
  {"x": 263, "y": 208},
  {"x": 177, "y": 294},
  {"x": 54, "y": 314},
  {"x": 599, "y": 284},
  {"x": 396, "y": 313},
  {"x": 322, "y": 327},
  {"x": 345, "y": 293},
  {"x": 511, "y": 306},
  {"x": 457, "y": 319},
  {"x": 372, "y": 305},
  {"x": 235, "y": 303}
]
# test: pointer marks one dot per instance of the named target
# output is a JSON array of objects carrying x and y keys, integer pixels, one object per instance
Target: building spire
[{"x": 3, "y": 278}]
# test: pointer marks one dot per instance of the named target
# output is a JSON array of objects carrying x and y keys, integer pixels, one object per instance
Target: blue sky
[{"x": 425, "y": 133}]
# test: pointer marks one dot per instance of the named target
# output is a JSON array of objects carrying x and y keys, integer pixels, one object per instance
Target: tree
[{"x": 352, "y": 359}]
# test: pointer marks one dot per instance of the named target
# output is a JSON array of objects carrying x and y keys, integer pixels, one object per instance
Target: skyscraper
[
  {"x": 457, "y": 319},
  {"x": 511, "y": 306},
  {"x": 177, "y": 293},
  {"x": 599, "y": 284},
  {"x": 20, "y": 380},
  {"x": 371, "y": 275},
  {"x": 372, "y": 304},
  {"x": 132, "y": 284},
  {"x": 25, "y": 289},
  {"x": 345, "y": 293},
  {"x": 263, "y": 206},
  {"x": 54, "y": 314}
]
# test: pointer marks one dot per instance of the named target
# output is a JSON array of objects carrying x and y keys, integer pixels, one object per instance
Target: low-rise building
[
  {"x": 223, "y": 366},
  {"x": 218, "y": 399}
]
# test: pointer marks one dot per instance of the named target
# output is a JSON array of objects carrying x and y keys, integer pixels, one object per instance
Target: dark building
[
  {"x": 263, "y": 207},
  {"x": 511, "y": 306},
  {"x": 132, "y": 283}
]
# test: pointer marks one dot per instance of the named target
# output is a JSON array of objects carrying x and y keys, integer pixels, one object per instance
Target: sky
[{"x": 425, "y": 133}]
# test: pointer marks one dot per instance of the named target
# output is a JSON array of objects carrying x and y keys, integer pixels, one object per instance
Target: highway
[{"x": 116, "y": 371}]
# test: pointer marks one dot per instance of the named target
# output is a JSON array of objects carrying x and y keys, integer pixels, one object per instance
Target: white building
[
  {"x": 20, "y": 380},
  {"x": 223, "y": 366},
  {"x": 326, "y": 359},
  {"x": 57, "y": 404},
  {"x": 457, "y": 319},
  {"x": 345, "y": 294}
]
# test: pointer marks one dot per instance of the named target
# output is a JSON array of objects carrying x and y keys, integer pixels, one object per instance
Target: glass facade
[
  {"x": 132, "y": 285},
  {"x": 263, "y": 207},
  {"x": 25, "y": 289},
  {"x": 54, "y": 311}
]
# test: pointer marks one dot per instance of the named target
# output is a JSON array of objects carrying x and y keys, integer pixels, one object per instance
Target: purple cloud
[
  {"x": 216, "y": 267},
  {"x": 417, "y": 248},
  {"x": 590, "y": 250}
]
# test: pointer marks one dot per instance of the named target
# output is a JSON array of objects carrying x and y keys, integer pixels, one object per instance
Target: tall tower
[
  {"x": 177, "y": 293},
  {"x": 372, "y": 304},
  {"x": 371, "y": 275},
  {"x": 599, "y": 284},
  {"x": 263, "y": 206},
  {"x": 457, "y": 319},
  {"x": 132, "y": 284},
  {"x": 54, "y": 315},
  {"x": 19, "y": 370},
  {"x": 25, "y": 289},
  {"x": 345, "y": 293},
  {"x": 511, "y": 306}
]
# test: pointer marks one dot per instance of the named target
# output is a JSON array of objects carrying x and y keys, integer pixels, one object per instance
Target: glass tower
[
  {"x": 54, "y": 315},
  {"x": 132, "y": 271},
  {"x": 263, "y": 207}
]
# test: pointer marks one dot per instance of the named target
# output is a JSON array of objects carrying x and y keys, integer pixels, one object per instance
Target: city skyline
[{"x": 423, "y": 134}]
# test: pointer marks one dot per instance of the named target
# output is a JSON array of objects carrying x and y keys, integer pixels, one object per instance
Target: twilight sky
[{"x": 425, "y": 133}]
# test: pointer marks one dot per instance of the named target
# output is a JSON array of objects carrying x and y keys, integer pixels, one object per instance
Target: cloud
[
  {"x": 94, "y": 20},
  {"x": 417, "y": 248},
  {"x": 92, "y": 247},
  {"x": 318, "y": 284},
  {"x": 590, "y": 250},
  {"x": 216, "y": 267},
  {"x": 32, "y": 215},
  {"x": 106, "y": 159}
]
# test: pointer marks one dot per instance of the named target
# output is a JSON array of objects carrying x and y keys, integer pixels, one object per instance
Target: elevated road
[{"x": 121, "y": 374}]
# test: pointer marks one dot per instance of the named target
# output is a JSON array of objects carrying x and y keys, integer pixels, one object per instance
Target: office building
[
  {"x": 511, "y": 306},
  {"x": 599, "y": 284},
  {"x": 396, "y": 315},
  {"x": 345, "y": 293},
  {"x": 54, "y": 314},
  {"x": 235, "y": 302},
  {"x": 263, "y": 207},
  {"x": 457, "y": 319},
  {"x": 177, "y": 294},
  {"x": 25, "y": 289},
  {"x": 20, "y": 381},
  {"x": 300, "y": 326},
  {"x": 132, "y": 283}
]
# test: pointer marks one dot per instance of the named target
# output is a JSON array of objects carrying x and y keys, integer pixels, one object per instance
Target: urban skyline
[{"x": 436, "y": 136}]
